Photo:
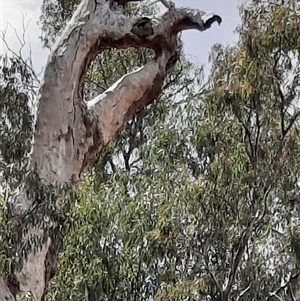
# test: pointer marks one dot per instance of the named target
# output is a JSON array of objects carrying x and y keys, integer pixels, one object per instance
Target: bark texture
[{"x": 70, "y": 133}]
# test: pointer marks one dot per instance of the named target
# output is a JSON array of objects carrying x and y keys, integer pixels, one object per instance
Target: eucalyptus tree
[{"x": 69, "y": 132}]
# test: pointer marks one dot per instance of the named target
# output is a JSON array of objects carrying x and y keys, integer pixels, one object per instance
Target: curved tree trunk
[{"x": 70, "y": 133}]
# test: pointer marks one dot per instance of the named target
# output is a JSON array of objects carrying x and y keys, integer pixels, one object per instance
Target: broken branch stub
[{"x": 69, "y": 132}]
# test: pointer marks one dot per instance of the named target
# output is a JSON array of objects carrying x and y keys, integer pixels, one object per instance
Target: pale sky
[{"x": 197, "y": 44}]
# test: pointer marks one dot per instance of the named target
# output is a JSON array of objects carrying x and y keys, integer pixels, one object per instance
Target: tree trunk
[{"x": 70, "y": 133}]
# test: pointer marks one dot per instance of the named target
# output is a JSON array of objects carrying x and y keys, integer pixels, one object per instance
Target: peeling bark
[{"x": 70, "y": 133}]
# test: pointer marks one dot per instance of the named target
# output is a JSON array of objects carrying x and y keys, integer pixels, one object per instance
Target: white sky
[{"x": 197, "y": 44}]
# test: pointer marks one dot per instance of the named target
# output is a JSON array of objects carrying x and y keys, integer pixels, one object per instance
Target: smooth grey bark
[{"x": 70, "y": 133}]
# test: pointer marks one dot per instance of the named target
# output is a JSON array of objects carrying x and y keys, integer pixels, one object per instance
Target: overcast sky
[{"x": 197, "y": 44}]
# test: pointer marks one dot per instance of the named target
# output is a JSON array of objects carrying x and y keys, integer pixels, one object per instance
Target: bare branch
[
  {"x": 243, "y": 292},
  {"x": 239, "y": 254},
  {"x": 216, "y": 282},
  {"x": 19, "y": 56},
  {"x": 292, "y": 122}
]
